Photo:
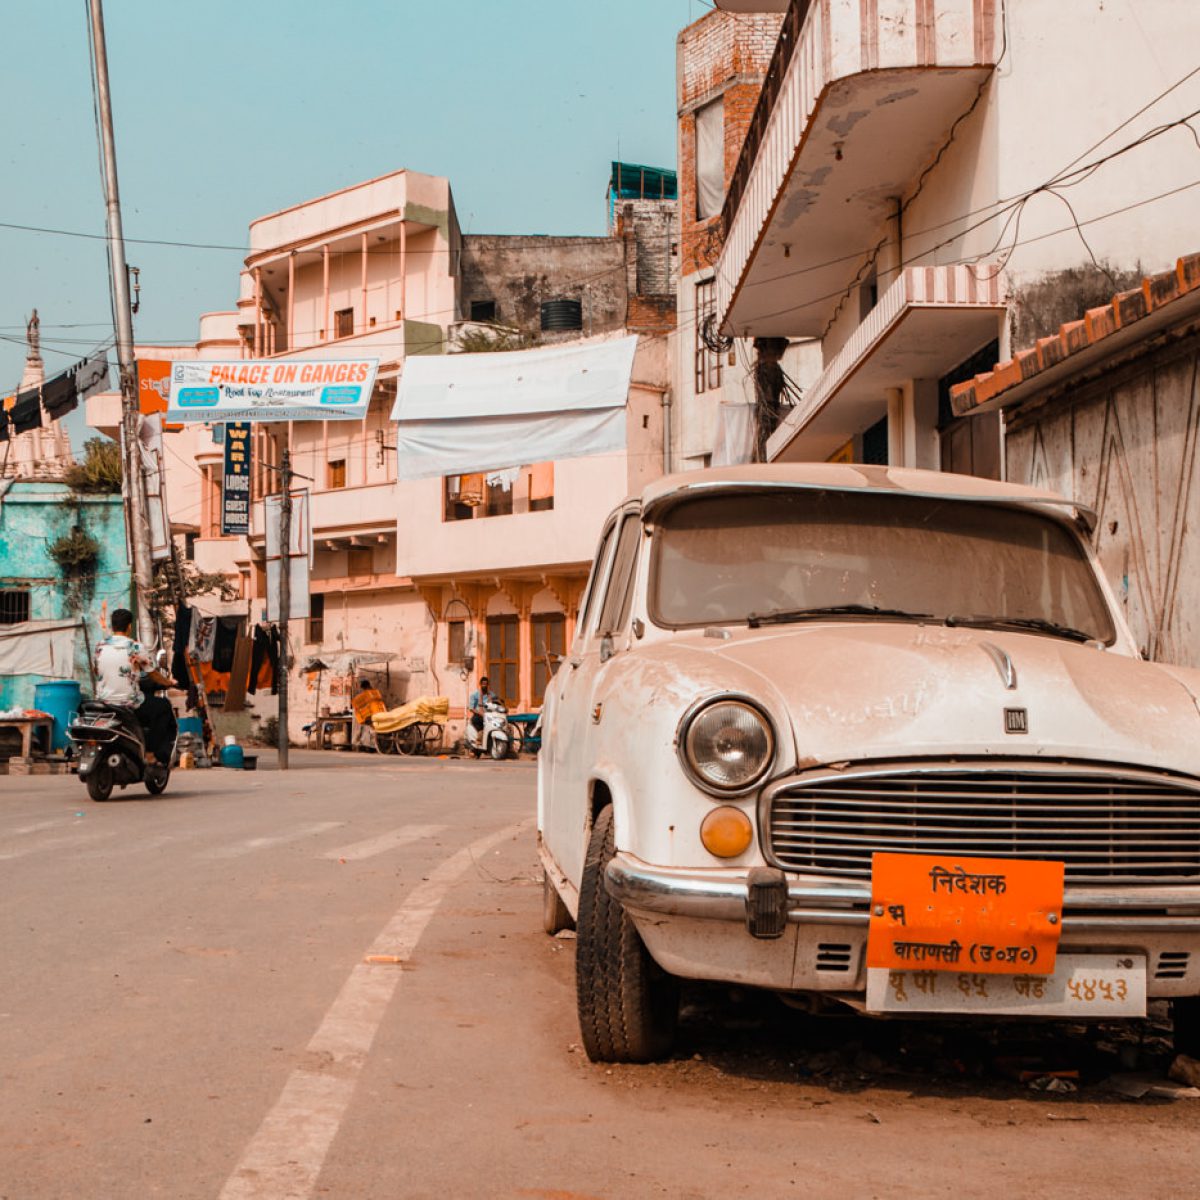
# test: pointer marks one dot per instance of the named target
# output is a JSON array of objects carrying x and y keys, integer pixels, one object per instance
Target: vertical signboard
[
  {"x": 299, "y": 554},
  {"x": 235, "y": 483}
]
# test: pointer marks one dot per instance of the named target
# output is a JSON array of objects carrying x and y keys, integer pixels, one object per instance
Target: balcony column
[
  {"x": 291, "y": 301},
  {"x": 362, "y": 328},
  {"x": 258, "y": 321},
  {"x": 325, "y": 292},
  {"x": 890, "y": 261},
  {"x": 403, "y": 271}
]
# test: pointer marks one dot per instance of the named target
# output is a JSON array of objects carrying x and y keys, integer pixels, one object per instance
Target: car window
[
  {"x": 595, "y": 587},
  {"x": 620, "y": 581}
]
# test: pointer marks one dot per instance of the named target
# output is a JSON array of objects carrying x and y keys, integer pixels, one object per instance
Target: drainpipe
[{"x": 666, "y": 421}]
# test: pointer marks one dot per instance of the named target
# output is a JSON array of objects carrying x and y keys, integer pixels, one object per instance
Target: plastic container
[
  {"x": 191, "y": 725},
  {"x": 232, "y": 755},
  {"x": 60, "y": 698}
]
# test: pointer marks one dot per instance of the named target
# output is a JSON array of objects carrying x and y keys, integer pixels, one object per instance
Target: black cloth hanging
[
  {"x": 26, "y": 414},
  {"x": 60, "y": 395},
  {"x": 92, "y": 375},
  {"x": 183, "y": 629},
  {"x": 265, "y": 651},
  {"x": 225, "y": 642}
]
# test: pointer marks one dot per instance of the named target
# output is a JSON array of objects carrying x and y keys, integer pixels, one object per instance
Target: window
[
  {"x": 483, "y": 310},
  {"x": 360, "y": 562},
  {"x": 189, "y": 546},
  {"x": 710, "y": 160},
  {"x": 616, "y": 600},
  {"x": 503, "y": 664},
  {"x": 708, "y": 361},
  {"x": 479, "y": 495},
  {"x": 595, "y": 587},
  {"x": 343, "y": 323},
  {"x": 540, "y": 486},
  {"x": 456, "y": 635},
  {"x": 335, "y": 474},
  {"x": 549, "y": 640},
  {"x": 14, "y": 606},
  {"x": 316, "y": 617}
]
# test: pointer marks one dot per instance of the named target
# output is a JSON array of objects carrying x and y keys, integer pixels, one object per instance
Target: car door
[{"x": 576, "y": 691}]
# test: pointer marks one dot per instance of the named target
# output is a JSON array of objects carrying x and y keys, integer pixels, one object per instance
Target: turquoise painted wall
[{"x": 32, "y": 518}]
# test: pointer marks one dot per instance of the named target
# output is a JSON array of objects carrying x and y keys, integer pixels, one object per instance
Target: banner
[
  {"x": 235, "y": 485},
  {"x": 299, "y": 555},
  {"x": 150, "y": 437},
  {"x": 271, "y": 390}
]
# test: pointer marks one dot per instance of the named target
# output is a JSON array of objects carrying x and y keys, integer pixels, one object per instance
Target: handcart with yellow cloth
[{"x": 413, "y": 728}]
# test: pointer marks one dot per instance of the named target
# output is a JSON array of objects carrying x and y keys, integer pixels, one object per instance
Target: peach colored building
[{"x": 410, "y": 581}]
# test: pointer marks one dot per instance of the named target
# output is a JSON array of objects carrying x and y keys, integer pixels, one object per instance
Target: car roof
[{"x": 852, "y": 477}]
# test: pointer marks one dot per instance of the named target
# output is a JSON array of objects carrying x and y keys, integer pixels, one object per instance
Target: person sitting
[
  {"x": 121, "y": 664},
  {"x": 478, "y": 702},
  {"x": 367, "y": 703}
]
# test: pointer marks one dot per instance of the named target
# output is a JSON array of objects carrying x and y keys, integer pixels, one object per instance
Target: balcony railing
[{"x": 785, "y": 47}]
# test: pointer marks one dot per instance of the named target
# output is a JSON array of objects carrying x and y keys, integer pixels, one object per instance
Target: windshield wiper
[
  {"x": 1038, "y": 624},
  {"x": 784, "y": 616}
]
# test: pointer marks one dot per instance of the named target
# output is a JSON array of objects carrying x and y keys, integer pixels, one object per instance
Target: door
[
  {"x": 504, "y": 662},
  {"x": 573, "y": 692}
]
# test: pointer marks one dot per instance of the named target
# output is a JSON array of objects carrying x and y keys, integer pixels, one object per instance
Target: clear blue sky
[{"x": 228, "y": 110}]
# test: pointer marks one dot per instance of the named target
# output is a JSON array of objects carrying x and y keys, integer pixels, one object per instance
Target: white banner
[
  {"x": 151, "y": 437},
  {"x": 271, "y": 390},
  {"x": 300, "y": 548},
  {"x": 461, "y": 413}
]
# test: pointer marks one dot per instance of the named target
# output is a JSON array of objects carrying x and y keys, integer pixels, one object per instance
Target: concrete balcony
[
  {"x": 342, "y": 513},
  {"x": 925, "y": 324},
  {"x": 857, "y": 102}
]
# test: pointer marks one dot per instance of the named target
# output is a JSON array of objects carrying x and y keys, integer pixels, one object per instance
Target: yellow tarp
[{"x": 423, "y": 710}]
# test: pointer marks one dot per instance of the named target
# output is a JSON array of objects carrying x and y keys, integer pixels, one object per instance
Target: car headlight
[{"x": 727, "y": 745}]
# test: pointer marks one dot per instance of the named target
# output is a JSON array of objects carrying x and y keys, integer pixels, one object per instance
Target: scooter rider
[
  {"x": 478, "y": 702},
  {"x": 121, "y": 663}
]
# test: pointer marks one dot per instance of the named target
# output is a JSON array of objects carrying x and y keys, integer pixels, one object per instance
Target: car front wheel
[{"x": 628, "y": 1005}]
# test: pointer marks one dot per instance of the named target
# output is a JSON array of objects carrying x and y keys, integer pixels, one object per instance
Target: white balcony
[{"x": 846, "y": 125}]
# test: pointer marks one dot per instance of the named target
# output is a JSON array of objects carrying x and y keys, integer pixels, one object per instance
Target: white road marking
[
  {"x": 384, "y": 842},
  {"x": 285, "y": 1156},
  {"x": 79, "y": 839},
  {"x": 38, "y": 826},
  {"x": 250, "y": 845}
]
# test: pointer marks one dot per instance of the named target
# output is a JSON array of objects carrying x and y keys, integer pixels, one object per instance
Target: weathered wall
[
  {"x": 520, "y": 272},
  {"x": 1126, "y": 445},
  {"x": 32, "y": 517}
]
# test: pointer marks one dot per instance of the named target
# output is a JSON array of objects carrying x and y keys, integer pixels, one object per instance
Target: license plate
[{"x": 1083, "y": 985}]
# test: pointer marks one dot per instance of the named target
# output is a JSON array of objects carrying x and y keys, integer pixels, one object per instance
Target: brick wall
[{"x": 726, "y": 56}]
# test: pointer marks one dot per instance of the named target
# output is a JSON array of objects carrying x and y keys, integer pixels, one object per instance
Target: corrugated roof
[{"x": 1127, "y": 308}]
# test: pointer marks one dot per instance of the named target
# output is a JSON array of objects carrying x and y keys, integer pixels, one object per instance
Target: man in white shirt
[{"x": 120, "y": 664}]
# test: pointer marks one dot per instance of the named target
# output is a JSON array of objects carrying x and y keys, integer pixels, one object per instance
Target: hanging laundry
[
  {"x": 26, "y": 413},
  {"x": 503, "y": 479},
  {"x": 183, "y": 629},
  {"x": 59, "y": 396},
  {"x": 224, "y": 643},
  {"x": 91, "y": 375},
  {"x": 265, "y": 662},
  {"x": 204, "y": 631}
]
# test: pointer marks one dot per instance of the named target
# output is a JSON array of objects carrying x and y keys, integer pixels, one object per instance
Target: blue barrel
[
  {"x": 60, "y": 698},
  {"x": 233, "y": 756}
]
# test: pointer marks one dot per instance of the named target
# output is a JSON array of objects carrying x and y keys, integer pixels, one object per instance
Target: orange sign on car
[{"x": 943, "y": 912}]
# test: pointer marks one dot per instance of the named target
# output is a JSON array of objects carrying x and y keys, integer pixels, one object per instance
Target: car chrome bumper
[{"x": 721, "y": 894}]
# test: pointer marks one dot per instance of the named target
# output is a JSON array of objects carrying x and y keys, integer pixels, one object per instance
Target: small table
[
  {"x": 324, "y": 727},
  {"x": 27, "y": 726}
]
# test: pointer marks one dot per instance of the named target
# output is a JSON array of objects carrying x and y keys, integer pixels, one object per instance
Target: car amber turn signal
[{"x": 726, "y": 832}]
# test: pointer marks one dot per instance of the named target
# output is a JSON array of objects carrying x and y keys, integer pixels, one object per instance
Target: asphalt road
[{"x": 187, "y": 1009}]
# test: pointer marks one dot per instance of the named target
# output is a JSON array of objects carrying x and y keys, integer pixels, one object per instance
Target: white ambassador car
[{"x": 820, "y": 724}]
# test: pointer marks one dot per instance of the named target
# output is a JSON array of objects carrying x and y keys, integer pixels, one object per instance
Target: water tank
[
  {"x": 558, "y": 315},
  {"x": 60, "y": 699}
]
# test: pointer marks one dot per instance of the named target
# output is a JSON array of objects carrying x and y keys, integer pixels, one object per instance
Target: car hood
[{"x": 880, "y": 690}]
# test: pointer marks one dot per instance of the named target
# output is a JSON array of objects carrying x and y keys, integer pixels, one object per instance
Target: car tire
[
  {"x": 1185, "y": 1013},
  {"x": 628, "y": 1005},
  {"x": 555, "y": 915},
  {"x": 100, "y": 782}
]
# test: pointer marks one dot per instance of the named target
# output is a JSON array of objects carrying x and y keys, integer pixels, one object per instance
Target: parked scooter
[
  {"x": 111, "y": 748},
  {"x": 494, "y": 737}
]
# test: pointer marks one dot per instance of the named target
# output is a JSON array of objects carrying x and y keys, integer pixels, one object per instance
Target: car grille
[{"x": 1106, "y": 826}]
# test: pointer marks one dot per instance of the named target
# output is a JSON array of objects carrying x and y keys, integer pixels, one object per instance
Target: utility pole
[
  {"x": 285, "y": 601},
  {"x": 136, "y": 507}
]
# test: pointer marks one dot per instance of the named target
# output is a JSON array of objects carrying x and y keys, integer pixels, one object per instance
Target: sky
[{"x": 225, "y": 111}]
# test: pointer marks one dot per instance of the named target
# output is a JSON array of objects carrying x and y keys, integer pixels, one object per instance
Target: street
[{"x": 188, "y": 1011}]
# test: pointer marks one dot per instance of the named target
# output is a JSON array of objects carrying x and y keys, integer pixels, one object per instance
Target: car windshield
[{"x": 781, "y": 556}]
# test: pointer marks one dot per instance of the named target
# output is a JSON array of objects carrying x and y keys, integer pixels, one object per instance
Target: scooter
[
  {"x": 111, "y": 747},
  {"x": 493, "y": 738}
]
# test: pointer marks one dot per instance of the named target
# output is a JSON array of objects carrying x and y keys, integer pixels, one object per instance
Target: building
[
  {"x": 927, "y": 180},
  {"x": 417, "y": 585},
  {"x": 722, "y": 60},
  {"x": 1106, "y": 410}
]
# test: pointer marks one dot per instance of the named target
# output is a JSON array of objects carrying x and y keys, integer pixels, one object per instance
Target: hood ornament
[{"x": 1003, "y": 664}]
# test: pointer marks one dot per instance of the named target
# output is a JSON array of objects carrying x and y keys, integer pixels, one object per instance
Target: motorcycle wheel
[
  {"x": 157, "y": 777},
  {"x": 100, "y": 782},
  {"x": 498, "y": 749}
]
